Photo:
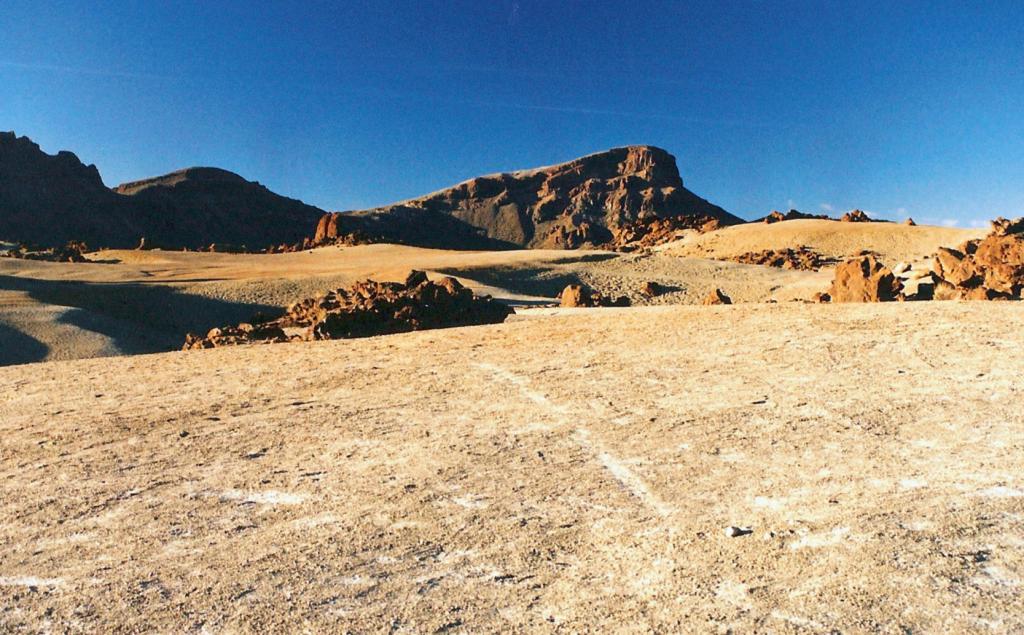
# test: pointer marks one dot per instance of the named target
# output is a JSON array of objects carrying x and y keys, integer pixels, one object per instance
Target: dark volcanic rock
[
  {"x": 366, "y": 309},
  {"x": 588, "y": 201},
  {"x": 801, "y": 258},
  {"x": 53, "y": 199},
  {"x": 776, "y": 216}
]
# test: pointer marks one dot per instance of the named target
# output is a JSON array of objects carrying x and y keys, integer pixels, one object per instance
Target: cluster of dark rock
[
  {"x": 366, "y": 309},
  {"x": 853, "y": 216},
  {"x": 801, "y": 258},
  {"x": 72, "y": 251},
  {"x": 650, "y": 232},
  {"x": 776, "y": 216},
  {"x": 991, "y": 268}
]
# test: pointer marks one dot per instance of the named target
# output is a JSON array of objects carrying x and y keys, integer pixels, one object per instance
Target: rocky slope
[
  {"x": 53, "y": 199},
  {"x": 598, "y": 199}
]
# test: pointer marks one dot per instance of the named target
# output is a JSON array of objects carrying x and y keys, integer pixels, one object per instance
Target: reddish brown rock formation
[
  {"x": 578, "y": 295},
  {"x": 986, "y": 269},
  {"x": 801, "y": 258},
  {"x": 910, "y": 222},
  {"x": 717, "y": 296},
  {"x": 651, "y": 232},
  {"x": 864, "y": 279},
  {"x": 651, "y": 289},
  {"x": 366, "y": 309},
  {"x": 776, "y": 216},
  {"x": 588, "y": 201},
  {"x": 856, "y": 216}
]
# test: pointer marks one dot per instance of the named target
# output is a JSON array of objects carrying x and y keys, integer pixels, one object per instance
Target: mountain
[
  {"x": 591, "y": 200},
  {"x": 52, "y": 199},
  {"x": 199, "y": 206}
]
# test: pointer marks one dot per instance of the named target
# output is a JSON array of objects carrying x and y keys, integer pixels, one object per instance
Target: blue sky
[{"x": 897, "y": 108}]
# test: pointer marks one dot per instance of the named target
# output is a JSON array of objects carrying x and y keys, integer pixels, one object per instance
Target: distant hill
[
  {"x": 585, "y": 201},
  {"x": 51, "y": 199}
]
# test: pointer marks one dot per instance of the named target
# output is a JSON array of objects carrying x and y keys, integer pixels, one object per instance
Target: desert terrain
[
  {"x": 560, "y": 474},
  {"x": 133, "y": 301},
  {"x": 785, "y": 431}
]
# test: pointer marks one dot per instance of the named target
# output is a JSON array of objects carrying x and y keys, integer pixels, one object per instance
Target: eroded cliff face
[{"x": 593, "y": 200}]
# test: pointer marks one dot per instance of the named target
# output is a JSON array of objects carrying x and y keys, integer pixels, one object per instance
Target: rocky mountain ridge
[
  {"x": 51, "y": 200},
  {"x": 590, "y": 201}
]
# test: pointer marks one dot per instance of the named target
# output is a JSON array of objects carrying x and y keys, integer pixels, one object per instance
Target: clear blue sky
[{"x": 894, "y": 107}]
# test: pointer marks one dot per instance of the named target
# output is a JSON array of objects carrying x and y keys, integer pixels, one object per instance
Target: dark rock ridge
[
  {"x": 366, "y": 309},
  {"x": 801, "y": 258},
  {"x": 50, "y": 200},
  {"x": 597, "y": 200}
]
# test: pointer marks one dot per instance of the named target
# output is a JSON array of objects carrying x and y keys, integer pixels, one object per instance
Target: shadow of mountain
[
  {"x": 18, "y": 348},
  {"x": 139, "y": 318}
]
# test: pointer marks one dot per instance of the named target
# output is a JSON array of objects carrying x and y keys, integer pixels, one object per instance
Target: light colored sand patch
[
  {"x": 30, "y": 581},
  {"x": 1001, "y": 491},
  {"x": 764, "y": 502},
  {"x": 912, "y": 483},
  {"x": 470, "y": 502},
  {"x": 796, "y": 620},
  {"x": 816, "y": 541},
  {"x": 625, "y": 476},
  {"x": 735, "y": 593},
  {"x": 269, "y": 497},
  {"x": 522, "y": 383}
]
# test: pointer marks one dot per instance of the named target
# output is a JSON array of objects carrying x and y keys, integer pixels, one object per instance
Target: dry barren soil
[
  {"x": 570, "y": 473},
  {"x": 145, "y": 301},
  {"x": 893, "y": 242}
]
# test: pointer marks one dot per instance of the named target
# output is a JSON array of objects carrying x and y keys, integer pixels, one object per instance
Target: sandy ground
[
  {"x": 567, "y": 474},
  {"x": 894, "y": 242},
  {"x": 147, "y": 300}
]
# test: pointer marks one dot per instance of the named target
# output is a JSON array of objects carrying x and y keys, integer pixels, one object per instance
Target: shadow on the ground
[
  {"x": 537, "y": 281},
  {"x": 139, "y": 318},
  {"x": 19, "y": 348}
]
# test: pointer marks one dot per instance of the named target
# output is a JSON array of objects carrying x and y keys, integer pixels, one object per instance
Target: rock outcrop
[
  {"x": 717, "y": 296},
  {"x": 801, "y": 258},
  {"x": 856, "y": 216},
  {"x": 991, "y": 268},
  {"x": 611, "y": 198},
  {"x": 864, "y": 279},
  {"x": 581, "y": 296},
  {"x": 366, "y": 309},
  {"x": 776, "y": 216},
  {"x": 73, "y": 251},
  {"x": 50, "y": 200}
]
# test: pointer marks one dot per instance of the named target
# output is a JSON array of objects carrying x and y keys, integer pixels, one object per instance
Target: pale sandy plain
[
  {"x": 567, "y": 471},
  {"x": 559, "y": 474}
]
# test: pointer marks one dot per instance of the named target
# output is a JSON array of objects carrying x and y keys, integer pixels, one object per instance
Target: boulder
[
  {"x": 578, "y": 295},
  {"x": 864, "y": 279},
  {"x": 988, "y": 269},
  {"x": 651, "y": 289},
  {"x": 716, "y": 296}
]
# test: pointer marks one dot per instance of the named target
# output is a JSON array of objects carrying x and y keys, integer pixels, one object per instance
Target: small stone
[{"x": 734, "y": 532}]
